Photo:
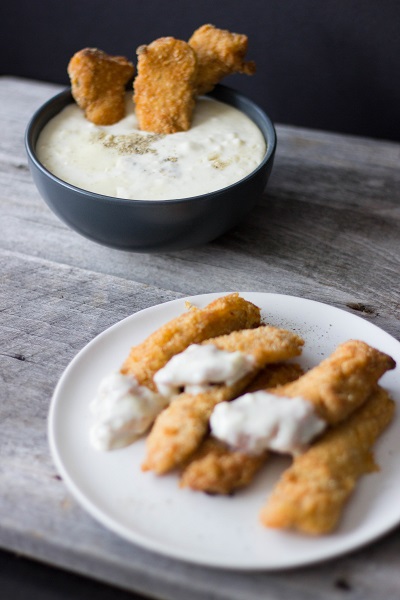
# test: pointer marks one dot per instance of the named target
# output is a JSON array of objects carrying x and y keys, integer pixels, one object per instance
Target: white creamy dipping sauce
[
  {"x": 222, "y": 146},
  {"x": 198, "y": 367},
  {"x": 259, "y": 421},
  {"x": 123, "y": 410}
]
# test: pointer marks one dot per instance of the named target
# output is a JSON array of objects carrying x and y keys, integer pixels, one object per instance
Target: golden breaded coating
[
  {"x": 275, "y": 375},
  {"x": 222, "y": 316},
  {"x": 219, "y": 53},
  {"x": 180, "y": 428},
  {"x": 98, "y": 83},
  {"x": 266, "y": 344},
  {"x": 164, "y": 86},
  {"x": 217, "y": 469},
  {"x": 312, "y": 493},
  {"x": 342, "y": 382}
]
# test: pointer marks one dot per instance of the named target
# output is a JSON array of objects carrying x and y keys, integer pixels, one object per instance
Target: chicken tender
[
  {"x": 312, "y": 493},
  {"x": 98, "y": 83},
  {"x": 219, "y": 53},
  {"x": 275, "y": 375},
  {"x": 342, "y": 382},
  {"x": 217, "y": 469},
  {"x": 266, "y": 344},
  {"x": 164, "y": 86},
  {"x": 181, "y": 427},
  {"x": 222, "y": 316}
]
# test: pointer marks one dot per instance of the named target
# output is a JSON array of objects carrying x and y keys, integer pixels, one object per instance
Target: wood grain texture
[{"x": 327, "y": 228}]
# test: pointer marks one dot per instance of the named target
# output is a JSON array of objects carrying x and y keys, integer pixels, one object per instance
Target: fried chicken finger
[
  {"x": 341, "y": 383},
  {"x": 98, "y": 83},
  {"x": 312, "y": 493},
  {"x": 164, "y": 86},
  {"x": 220, "y": 317},
  {"x": 219, "y": 53}
]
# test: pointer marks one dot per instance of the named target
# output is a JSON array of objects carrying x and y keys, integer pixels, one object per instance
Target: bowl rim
[{"x": 270, "y": 141}]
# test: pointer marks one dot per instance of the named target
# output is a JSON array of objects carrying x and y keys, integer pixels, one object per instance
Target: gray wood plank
[{"x": 326, "y": 228}]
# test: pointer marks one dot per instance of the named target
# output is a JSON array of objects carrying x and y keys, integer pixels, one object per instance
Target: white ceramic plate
[{"x": 223, "y": 532}]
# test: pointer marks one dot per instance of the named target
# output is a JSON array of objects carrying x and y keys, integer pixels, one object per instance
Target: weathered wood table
[{"x": 326, "y": 229}]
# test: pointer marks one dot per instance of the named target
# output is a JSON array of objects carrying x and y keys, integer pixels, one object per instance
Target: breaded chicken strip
[
  {"x": 164, "y": 86},
  {"x": 219, "y": 53},
  {"x": 342, "y": 382},
  {"x": 275, "y": 375},
  {"x": 180, "y": 428},
  {"x": 311, "y": 494},
  {"x": 98, "y": 83},
  {"x": 222, "y": 316},
  {"x": 217, "y": 469}
]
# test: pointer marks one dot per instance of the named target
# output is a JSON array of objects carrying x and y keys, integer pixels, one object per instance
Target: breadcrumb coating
[
  {"x": 219, "y": 53},
  {"x": 98, "y": 83},
  {"x": 342, "y": 382},
  {"x": 164, "y": 86}
]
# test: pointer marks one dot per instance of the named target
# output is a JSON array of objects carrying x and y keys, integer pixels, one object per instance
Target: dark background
[{"x": 325, "y": 64}]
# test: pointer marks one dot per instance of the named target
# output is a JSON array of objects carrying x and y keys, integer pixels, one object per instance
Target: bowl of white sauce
[{"x": 144, "y": 192}]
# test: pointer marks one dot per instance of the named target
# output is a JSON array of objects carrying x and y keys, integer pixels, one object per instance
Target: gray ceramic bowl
[{"x": 156, "y": 225}]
